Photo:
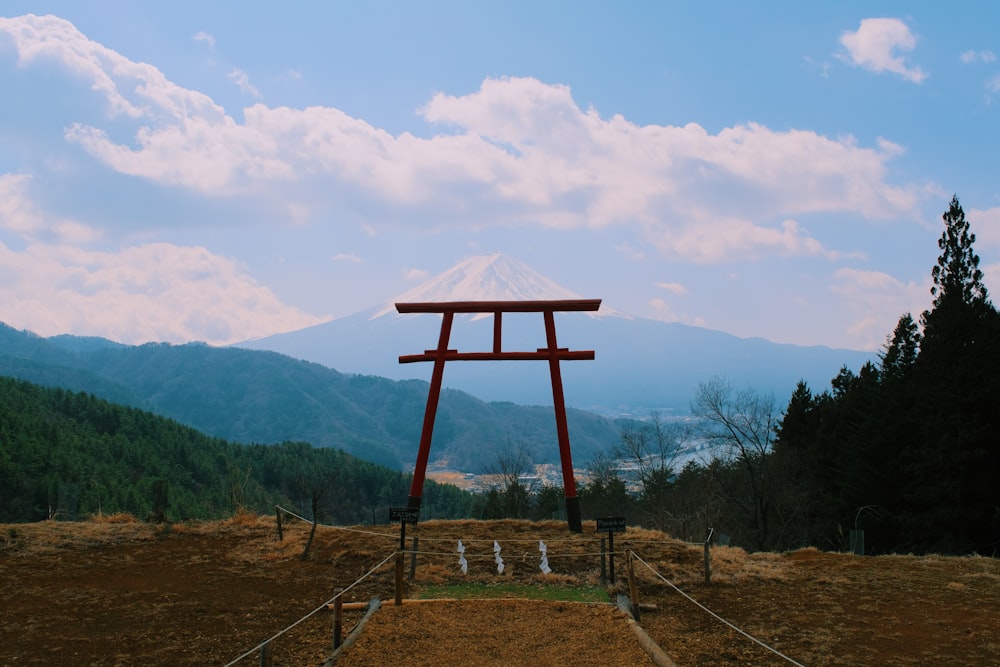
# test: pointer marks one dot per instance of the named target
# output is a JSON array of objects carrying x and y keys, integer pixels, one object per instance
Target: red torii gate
[{"x": 551, "y": 352}]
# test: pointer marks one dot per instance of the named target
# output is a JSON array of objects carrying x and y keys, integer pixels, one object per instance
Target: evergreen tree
[
  {"x": 915, "y": 436},
  {"x": 900, "y": 353},
  {"x": 953, "y": 468}
]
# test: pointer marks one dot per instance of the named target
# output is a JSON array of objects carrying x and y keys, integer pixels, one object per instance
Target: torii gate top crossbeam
[
  {"x": 450, "y": 308},
  {"x": 536, "y": 306}
]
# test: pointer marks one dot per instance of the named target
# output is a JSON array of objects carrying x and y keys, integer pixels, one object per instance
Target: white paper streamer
[
  {"x": 496, "y": 554},
  {"x": 464, "y": 564},
  {"x": 544, "y": 566}
]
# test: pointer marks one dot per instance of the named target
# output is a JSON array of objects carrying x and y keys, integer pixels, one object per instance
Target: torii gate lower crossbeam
[{"x": 551, "y": 353}]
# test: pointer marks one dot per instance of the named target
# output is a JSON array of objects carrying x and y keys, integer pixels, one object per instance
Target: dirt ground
[{"x": 127, "y": 593}]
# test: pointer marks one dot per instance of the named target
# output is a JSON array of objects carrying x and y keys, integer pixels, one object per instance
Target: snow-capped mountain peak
[{"x": 495, "y": 277}]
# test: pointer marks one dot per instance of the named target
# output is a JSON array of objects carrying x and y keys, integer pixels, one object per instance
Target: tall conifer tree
[{"x": 952, "y": 471}]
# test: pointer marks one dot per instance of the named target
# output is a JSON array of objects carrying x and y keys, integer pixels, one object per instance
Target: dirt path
[{"x": 497, "y": 633}]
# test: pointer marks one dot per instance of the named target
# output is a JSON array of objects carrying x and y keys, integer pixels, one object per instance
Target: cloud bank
[{"x": 517, "y": 151}]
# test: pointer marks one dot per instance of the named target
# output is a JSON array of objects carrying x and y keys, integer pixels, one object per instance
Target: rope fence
[
  {"x": 457, "y": 536},
  {"x": 712, "y": 613},
  {"x": 489, "y": 549},
  {"x": 466, "y": 550},
  {"x": 322, "y": 607}
]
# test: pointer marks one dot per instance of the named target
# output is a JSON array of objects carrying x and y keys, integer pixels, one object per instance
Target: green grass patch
[{"x": 473, "y": 590}]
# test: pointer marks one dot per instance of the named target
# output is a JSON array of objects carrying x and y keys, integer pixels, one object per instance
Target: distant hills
[
  {"x": 264, "y": 397},
  {"x": 640, "y": 364},
  {"x": 339, "y": 384}
]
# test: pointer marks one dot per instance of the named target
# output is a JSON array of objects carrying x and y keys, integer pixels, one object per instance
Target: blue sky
[{"x": 220, "y": 171}]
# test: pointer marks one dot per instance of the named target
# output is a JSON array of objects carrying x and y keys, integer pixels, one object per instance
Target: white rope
[
  {"x": 713, "y": 614},
  {"x": 521, "y": 555},
  {"x": 344, "y": 528},
  {"x": 312, "y": 613},
  {"x": 489, "y": 540},
  {"x": 427, "y": 538}
]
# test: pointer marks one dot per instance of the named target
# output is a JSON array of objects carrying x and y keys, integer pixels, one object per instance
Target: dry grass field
[{"x": 121, "y": 592}]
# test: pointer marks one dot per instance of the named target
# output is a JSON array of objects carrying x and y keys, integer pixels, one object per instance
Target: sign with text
[
  {"x": 404, "y": 514},
  {"x": 611, "y": 524}
]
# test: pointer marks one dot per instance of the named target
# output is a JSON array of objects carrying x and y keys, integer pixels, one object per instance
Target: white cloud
[
  {"x": 202, "y": 36},
  {"x": 985, "y": 224},
  {"x": 631, "y": 251},
  {"x": 971, "y": 57},
  {"x": 17, "y": 213},
  {"x": 676, "y": 289},
  {"x": 993, "y": 84},
  {"x": 875, "y": 45},
  {"x": 416, "y": 275},
  {"x": 346, "y": 257},
  {"x": 875, "y": 301},
  {"x": 242, "y": 81},
  {"x": 20, "y": 215},
  {"x": 517, "y": 151},
  {"x": 991, "y": 276},
  {"x": 53, "y": 38},
  {"x": 662, "y": 310},
  {"x": 149, "y": 292},
  {"x": 721, "y": 239}
]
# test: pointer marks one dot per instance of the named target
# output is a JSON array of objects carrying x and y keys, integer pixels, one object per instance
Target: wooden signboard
[
  {"x": 611, "y": 524},
  {"x": 404, "y": 514}
]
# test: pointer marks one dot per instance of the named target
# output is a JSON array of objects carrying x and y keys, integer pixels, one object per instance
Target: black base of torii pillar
[{"x": 551, "y": 352}]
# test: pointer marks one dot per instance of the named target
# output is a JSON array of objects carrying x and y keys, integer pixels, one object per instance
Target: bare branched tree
[
  {"x": 316, "y": 486},
  {"x": 739, "y": 425},
  {"x": 654, "y": 447},
  {"x": 515, "y": 485}
]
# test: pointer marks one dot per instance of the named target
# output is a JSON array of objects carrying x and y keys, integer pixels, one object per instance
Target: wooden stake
[
  {"x": 277, "y": 516},
  {"x": 633, "y": 588},
  {"x": 265, "y": 655},
  {"x": 413, "y": 558},
  {"x": 611, "y": 554},
  {"x": 604, "y": 565},
  {"x": 399, "y": 578},
  {"x": 708, "y": 559},
  {"x": 338, "y": 619}
]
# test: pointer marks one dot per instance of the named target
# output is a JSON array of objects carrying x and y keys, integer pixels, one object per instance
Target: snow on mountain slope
[{"x": 493, "y": 277}]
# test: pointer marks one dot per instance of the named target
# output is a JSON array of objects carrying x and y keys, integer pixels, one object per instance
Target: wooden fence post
[
  {"x": 399, "y": 578},
  {"x": 604, "y": 565},
  {"x": 708, "y": 559},
  {"x": 277, "y": 516},
  {"x": 338, "y": 618},
  {"x": 413, "y": 558},
  {"x": 633, "y": 588},
  {"x": 265, "y": 654}
]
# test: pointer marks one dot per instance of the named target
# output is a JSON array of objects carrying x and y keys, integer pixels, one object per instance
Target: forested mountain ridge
[
  {"x": 265, "y": 397},
  {"x": 69, "y": 454}
]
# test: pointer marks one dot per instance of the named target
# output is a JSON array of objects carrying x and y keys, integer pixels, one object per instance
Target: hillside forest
[
  {"x": 904, "y": 449},
  {"x": 69, "y": 455}
]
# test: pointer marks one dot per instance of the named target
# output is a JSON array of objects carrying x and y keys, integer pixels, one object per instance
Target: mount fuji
[{"x": 640, "y": 364}]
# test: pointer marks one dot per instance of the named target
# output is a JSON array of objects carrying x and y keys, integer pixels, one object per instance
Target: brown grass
[{"x": 113, "y": 590}]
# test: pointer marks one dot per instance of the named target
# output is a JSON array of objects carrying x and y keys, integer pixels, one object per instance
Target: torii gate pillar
[{"x": 551, "y": 352}]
